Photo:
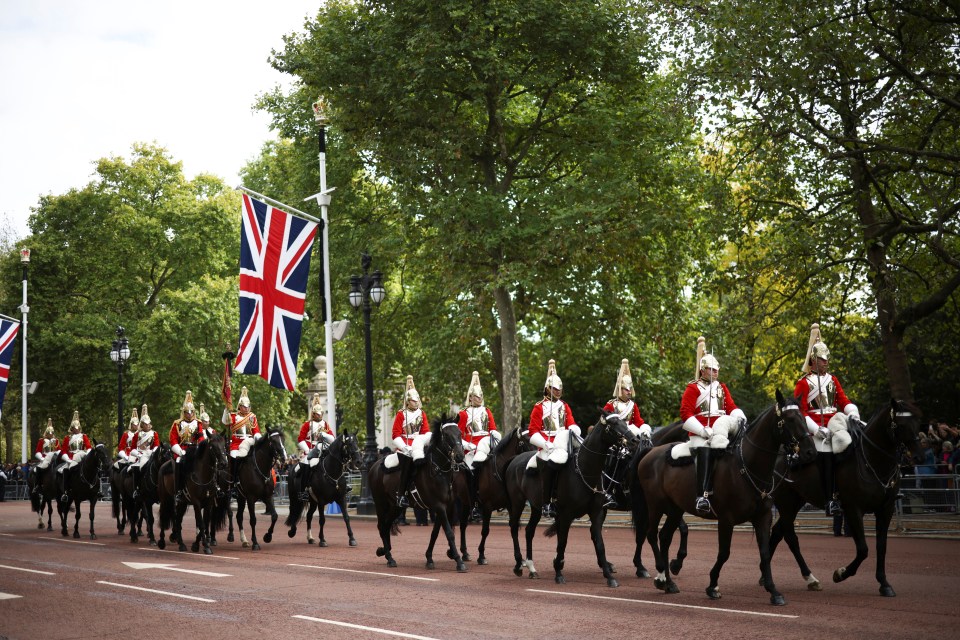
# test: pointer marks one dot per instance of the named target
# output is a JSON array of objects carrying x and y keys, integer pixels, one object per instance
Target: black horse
[
  {"x": 84, "y": 485},
  {"x": 434, "y": 490},
  {"x": 256, "y": 483},
  {"x": 579, "y": 492},
  {"x": 868, "y": 481},
  {"x": 147, "y": 492},
  {"x": 328, "y": 483},
  {"x": 43, "y": 498},
  {"x": 743, "y": 482},
  {"x": 203, "y": 464},
  {"x": 118, "y": 476}
]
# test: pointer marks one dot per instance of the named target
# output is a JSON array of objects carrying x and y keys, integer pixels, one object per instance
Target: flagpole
[
  {"x": 278, "y": 204},
  {"x": 24, "y": 309},
  {"x": 323, "y": 199}
]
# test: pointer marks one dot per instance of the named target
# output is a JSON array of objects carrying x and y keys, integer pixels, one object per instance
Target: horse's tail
[
  {"x": 296, "y": 506},
  {"x": 36, "y": 499},
  {"x": 219, "y": 519},
  {"x": 551, "y": 530},
  {"x": 115, "y": 498}
]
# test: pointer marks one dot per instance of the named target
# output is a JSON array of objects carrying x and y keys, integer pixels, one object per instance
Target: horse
[
  {"x": 868, "y": 480},
  {"x": 255, "y": 482},
  {"x": 44, "y": 497},
  {"x": 328, "y": 483},
  {"x": 433, "y": 480},
  {"x": 147, "y": 492},
  {"x": 743, "y": 483},
  {"x": 120, "y": 508},
  {"x": 202, "y": 472},
  {"x": 579, "y": 493},
  {"x": 84, "y": 485}
]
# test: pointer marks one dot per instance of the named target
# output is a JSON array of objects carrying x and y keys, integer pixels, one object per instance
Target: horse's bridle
[
  {"x": 895, "y": 426},
  {"x": 605, "y": 422},
  {"x": 793, "y": 443},
  {"x": 450, "y": 456}
]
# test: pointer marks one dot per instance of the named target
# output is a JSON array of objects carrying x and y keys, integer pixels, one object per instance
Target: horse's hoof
[
  {"x": 268, "y": 537},
  {"x": 213, "y": 543},
  {"x": 675, "y": 566},
  {"x": 322, "y": 543},
  {"x": 777, "y": 600},
  {"x": 612, "y": 583},
  {"x": 293, "y": 532},
  {"x": 560, "y": 579},
  {"x": 814, "y": 586},
  {"x": 534, "y": 575},
  {"x": 713, "y": 593},
  {"x": 255, "y": 547},
  {"x": 195, "y": 547},
  {"x": 207, "y": 551},
  {"x": 430, "y": 565},
  {"x": 133, "y": 540},
  {"x": 153, "y": 543},
  {"x": 182, "y": 548},
  {"x": 245, "y": 545},
  {"x": 40, "y": 526},
  {"x": 518, "y": 571},
  {"x": 229, "y": 537},
  {"x": 887, "y": 592},
  {"x": 465, "y": 557},
  {"x": 461, "y": 567},
  {"x": 392, "y": 563},
  {"x": 642, "y": 573},
  {"x": 672, "y": 588},
  {"x": 76, "y": 535},
  {"x": 840, "y": 574},
  {"x": 93, "y": 536},
  {"x": 660, "y": 584},
  {"x": 162, "y": 544},
  {"x": 49, "y": 529},
  {"x": 353, "y": 542},
  {"x": 481, "y": 561}
]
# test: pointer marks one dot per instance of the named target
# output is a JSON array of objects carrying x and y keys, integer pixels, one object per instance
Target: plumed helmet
[
  {"x": 553, "y": 381},
  {"x": 144, "y": 416},
  {"x": 49, "y": 431},
  {"x": 704, "y": 360},
  {"x": 624, "y": 381},
  {"x": 411, "y": 392},
  {"x": 815, "y": 348},
  {"x": 244, "y": 400},
  {"x": 474, "y": 389},
  {"x": 316, "y": 407},
  {"x": 187, "y": 405},
  {"x": 75, "y": 423},
  {"x": 134, "y": 421},
  {"x": 204, "y": 416}
]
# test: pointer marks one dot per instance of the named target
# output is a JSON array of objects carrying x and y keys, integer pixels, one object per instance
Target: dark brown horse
[
  {"x": 434, "y": 490},
  {"x": 117, "y": 477},
  {"x": 256, "y": 483},
  {"x": 580, "y": 492},
  {"x": 327, "y": 484},
  {"x": 868, "y": 479},
  {"x": 147, "y": 492},
  {"x": 84, "y": 485},
  {"x": 743, "y": 482},
  {"x": 45, "y": 496}
]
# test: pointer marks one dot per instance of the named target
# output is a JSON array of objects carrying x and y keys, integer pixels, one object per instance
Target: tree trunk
[{"x": 510, "y": 359}]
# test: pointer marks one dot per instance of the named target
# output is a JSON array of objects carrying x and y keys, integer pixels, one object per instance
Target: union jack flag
[
  {"x": 274, "y": 265},
  {"x": 8, "y": 334}
]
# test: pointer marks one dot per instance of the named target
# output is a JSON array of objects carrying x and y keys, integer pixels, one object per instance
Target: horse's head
[
  {"x": 792, "y": 429},
  {"x": 216, "y": 444},
  {"x": 614, "y": 430},
  {"x": 100, "y": 456},
  {"x": 162, "y": 454},
  {"x": 447, "y": 440},
  {"x": 274, "y": 440},
  {"x": 350, "y": 453},
  {"x": 905, "y": 426}
]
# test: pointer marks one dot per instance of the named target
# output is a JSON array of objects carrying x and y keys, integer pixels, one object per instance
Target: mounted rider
[
  {"x": 184, "y": 433},
  {"x": 244, "y": 431},
  {"x": 72, "y": 450},
  {"x": 48, "y": 446},
  {"x": 127, "y": 441},
  {"x": 623, "y": 405},
  {"x": 479, "y": 432},
  {"x": 315, "y": 436},
  {"x": 822, "y": 400},
  {"x": 710, "y": 417},
  {"x": 411, "y": 433},
  {"x": 551, "y": 423},
  {"x": 145, "y": 443}
]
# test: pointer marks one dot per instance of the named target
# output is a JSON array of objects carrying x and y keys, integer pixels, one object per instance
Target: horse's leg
[
  {"x": 310, "y": 511},
  {"x": 93, "y": 506},
  {"x": 241, "y": 508},
  {"x": 443, "y": 518},
  {"x": 484, "y": 532},
  {"x": 198, "y": 519},
  {"x": 252, "y": 508},
  {"x": 272, "y": 510},
  {"x": 149, "y": 517},
  {"x": 229, "y": 519},
  {"x": 853, "y": 519},
  {"x": 529, "y": 532},
  {"x": 76, "y": 520},
  {"x": 178, "y": 526},
  {"x": 385, "y": 517},
  {"x": 49, "y": 515},
  {"x": 639, "y": 516},
  {"x": 663, "y": 580},
  {"x": 207, "y": 515},
  {"x": 342, "y": 503},
  {"x": 562, "y": 526},
  {"x": 883, "y": 516},
  {"x": 464, "y": 523},
  {"x": 596, "y": 534},
  {"x": 724, "y": 537},
  {"x": 785, "y": 529},
  {"x": 515, "y": 514},
  {"x": 321, "y": 521},
  {"x": 677, "y": 563},
  {"x": 663, "y": 540},
  {"x": 761, "y": 526},
  {"x": 434, "y": 533}
]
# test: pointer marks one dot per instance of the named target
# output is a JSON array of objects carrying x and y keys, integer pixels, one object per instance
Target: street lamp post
[
  {"x": 363, "y": 290},
  {"x": 24, "y": 309},
  {"x": 120, "y": 353}
]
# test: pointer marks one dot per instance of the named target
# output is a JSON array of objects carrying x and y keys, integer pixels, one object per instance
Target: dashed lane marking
[
  {"x": 46, "y": 573},
  {"x": 98, "y": 544},
  {"x": 349, "y": 625},
  {"x": 167, "y": 551},
  {"x": 8, "y": 596},
  {"x": 369, "y": 573},
  {"x": 664, "y": 604},
  {"x": 163, "y": 593}
]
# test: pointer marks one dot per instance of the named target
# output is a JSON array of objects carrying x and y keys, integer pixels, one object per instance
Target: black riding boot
[
  {"x": 404, "y": 483},
  {"x": 547, "y": 481},
  {"x": 136, "y": 481},
  {"x": 234, "y": 465},
  {"x": 831, "y": 501},
  {"x": 704, "y": 480},
  {"x": 64, "y": 483},
  {"x": 303, "y": 477},
  {"x": 473, "y": 485},
  {"x": 179, "y": 496}
]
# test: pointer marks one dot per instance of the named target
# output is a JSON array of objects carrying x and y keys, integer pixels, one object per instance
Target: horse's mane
[{"x": 506, "y": 441}]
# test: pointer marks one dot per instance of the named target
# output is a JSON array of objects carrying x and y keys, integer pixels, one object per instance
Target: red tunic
[
  {"x": 306, "y": 435},
  {"x": 634, "y": 419},
  {"x": 401, "y": 429},
  {"x": 806, "y": 393},
  {"x": 688, "y": 404},
  {"x": 126, "y": 442},
  {"x": 242, "y": 427},
  {"x": 183, "y": 440},
  {"x": 153, "y": 443},
  {"x": 474, "y": 437},
  {"x": 42, "y": 442},
  {"x": 536, "y": 419},
  {"x": 65, "y": 446}
]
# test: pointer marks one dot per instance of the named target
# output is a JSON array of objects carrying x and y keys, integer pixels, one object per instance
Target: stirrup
[
  {"x": 833, "y": 508},
  {"x": 64, "y": 498},
  {"x": 304, "y": 495},
  {"x": 609, "y": 500},
  {"x": 549, "y": 511},
  {"x": 475, "y": 514},
  {"x": 402, "y": 501},
  {"x": 703, "y": 505}
]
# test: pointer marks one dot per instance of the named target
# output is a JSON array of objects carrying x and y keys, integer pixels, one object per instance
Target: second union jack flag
[
  {"x": 8, "y": 333},
  {"x": 274, "y": 265}
]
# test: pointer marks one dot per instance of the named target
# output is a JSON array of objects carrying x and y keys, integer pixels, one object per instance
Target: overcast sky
[{"x": 85, "y": 79}]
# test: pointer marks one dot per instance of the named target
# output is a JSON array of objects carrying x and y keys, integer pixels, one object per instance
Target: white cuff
[
  {"x": 38, "y": 456},
  {"x": 538, "y": 440},
  {"x": 852, "y": 411},
  {"x": 257, "y": 436},
  {"x": 738, "y": 414},
  {"x": 302, "y": 445},
  {"x": 575, "y": 428},
  {"x": 812, "y": 426},
  {"x": 327, "y": 437},
  {"x": 226, "y": 419},
  {"x": 693, "y": 425},
  {"x": 177, "y": 449}
]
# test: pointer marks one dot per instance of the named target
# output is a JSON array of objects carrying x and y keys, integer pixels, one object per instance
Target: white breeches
[
  {"x": 482, "y": 451},
  {"x": 142, "y": 458},
  {"x": 243, "y": 449},
  {"x": 419, "y": 442},
  {"x": 555, "y": 451},
  {"x": 77, "y": 457},
  {"x": 839, "y": 437},
  {"x": 47, "y": 459}
]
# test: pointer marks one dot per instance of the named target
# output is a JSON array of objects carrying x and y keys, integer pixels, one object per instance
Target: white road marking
[
  {"x": 98, "y": 544},
  {"x": 369, "y": 573},
  {"x": 170, "y": 567},
  {"x": 665, "y": 604},
  {"x": 46, "y": 573},
  {"x": 165, "y": 593},
  {"x": 9, "y": 535},
  {"x": 386, "y": 632},
  {"x": 204, "y": 556},
  {"x": 8, "y": 596}
]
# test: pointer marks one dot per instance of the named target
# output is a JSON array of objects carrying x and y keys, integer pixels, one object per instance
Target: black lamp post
[
  {"x": 363, "y": 290},
  {"x": 120, "y": 353}
]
